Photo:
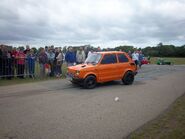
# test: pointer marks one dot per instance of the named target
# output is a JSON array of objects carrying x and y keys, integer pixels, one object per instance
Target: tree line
[
  {"x": 157, "y": 51},
  {"x": 160, "y": 50}
]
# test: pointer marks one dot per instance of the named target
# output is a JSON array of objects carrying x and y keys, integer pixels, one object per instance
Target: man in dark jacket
[
  {"x": 1, "y": 61},
  {"x": 70, "y": 57},
  {"x": 5, "y": 63},
  {"x": 43, "y": 59}
]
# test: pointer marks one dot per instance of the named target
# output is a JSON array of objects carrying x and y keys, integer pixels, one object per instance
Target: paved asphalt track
[{"x": 58, "y": 110}]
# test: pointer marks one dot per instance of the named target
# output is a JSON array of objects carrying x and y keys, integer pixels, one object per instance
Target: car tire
[
  {"x": 90, "y": 82},
  {"x": 128, "y": 78}
]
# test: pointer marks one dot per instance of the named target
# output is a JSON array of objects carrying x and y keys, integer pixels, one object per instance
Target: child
[{"x": 47, "y": 69}]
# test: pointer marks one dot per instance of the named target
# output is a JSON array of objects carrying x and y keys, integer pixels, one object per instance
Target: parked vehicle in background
[
  {"x": 145, "y": 61},
  {"x": 161, "y": 61},
  {"x": 102, "y": 67}
]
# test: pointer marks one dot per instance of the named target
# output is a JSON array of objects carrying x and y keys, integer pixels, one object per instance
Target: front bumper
[
  {"x": 71, "y": 77},
  {"x": 135, "y": 73}
]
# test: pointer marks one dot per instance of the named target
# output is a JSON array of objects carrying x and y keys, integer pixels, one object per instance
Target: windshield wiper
[{"x": 94, "y": 63}]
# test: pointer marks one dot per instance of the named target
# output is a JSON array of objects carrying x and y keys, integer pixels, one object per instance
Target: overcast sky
[{"x": 107, "y": 23}]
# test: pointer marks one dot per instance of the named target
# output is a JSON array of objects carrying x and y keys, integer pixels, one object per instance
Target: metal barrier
[
  {"x": 26, "y": 68},
  {"x": 13, "y": 67}
]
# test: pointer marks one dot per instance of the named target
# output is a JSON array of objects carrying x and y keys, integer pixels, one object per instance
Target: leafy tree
[{"x": 125, "y": 48}]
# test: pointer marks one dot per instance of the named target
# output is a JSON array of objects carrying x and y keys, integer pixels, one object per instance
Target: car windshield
[{"x": 93, "y": 58}]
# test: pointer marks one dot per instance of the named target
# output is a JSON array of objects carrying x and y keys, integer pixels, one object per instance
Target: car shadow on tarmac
[{"x": 116, "y": 83}]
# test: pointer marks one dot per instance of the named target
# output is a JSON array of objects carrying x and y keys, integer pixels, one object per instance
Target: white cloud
[{"x": 97, "y": 22}]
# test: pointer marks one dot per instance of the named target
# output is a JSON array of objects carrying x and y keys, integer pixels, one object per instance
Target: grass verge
[
  {"x": 174, "y": 60},
  {"x": 169, "y": 125},
  {"x": 15, "y": 80}
]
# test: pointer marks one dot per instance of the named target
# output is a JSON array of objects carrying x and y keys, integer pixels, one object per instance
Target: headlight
[{"x": 77, "y": 72}]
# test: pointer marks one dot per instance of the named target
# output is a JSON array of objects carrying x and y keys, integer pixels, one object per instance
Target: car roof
[{"x": 110, "y": 52}]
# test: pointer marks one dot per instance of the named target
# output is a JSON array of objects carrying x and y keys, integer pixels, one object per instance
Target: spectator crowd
[{"x": 48, "y": 61}]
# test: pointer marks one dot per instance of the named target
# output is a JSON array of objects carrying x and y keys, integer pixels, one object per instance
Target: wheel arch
[
  {"x": 128, "y": 77},
  {"x": 127, "y": 70},
  {"x": 90, "y": 74},
  {"x": 90, "y": 81}
]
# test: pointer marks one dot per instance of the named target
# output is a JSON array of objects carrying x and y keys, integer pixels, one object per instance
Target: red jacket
[
  {"x": 20, "y": 56},
  {"x": 14, "y": 53}
]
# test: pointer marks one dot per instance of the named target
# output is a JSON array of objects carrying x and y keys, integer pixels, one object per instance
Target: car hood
[{"x": 81, "y": 66}]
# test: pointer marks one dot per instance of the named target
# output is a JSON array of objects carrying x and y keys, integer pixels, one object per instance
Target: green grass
[
  {"x": 175, "y": 61},
  {"x": 169, "y": 125},
  {"x": 15, "y": 80}
]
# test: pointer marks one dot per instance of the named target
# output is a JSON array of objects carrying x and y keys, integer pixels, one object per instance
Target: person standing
[
  {"x": 51, "y": 57},
  {"x": 1, "y": 61},
  {"x": 43, "y": 59},
  {"x": 86, "y": 52},
  {"x": 135, "y": 57},
  {"x": 90, "y": 52},
  {"x": 130, "y": 54},
  {"x": 80, "y": 56},
  {"x": 141, "y": 57},
  {"x": 98, "y": 49},
  {"x": 55, "y": 60},
  {"x": 31, "y": 63},
  {"x": 6, "y": 64},
  {"x": 46, "y": 49},
  {"x": 14, "y": 62},
  {"x": 26, "y": 52},
  {"x": 20, "y": 56},
  {"x": 59, "y": 62},
  {"x": 70, "y": 57},
  {"x": 27, "y": 49}
]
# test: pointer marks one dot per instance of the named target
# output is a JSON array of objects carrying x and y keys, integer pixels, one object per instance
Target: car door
[
  {"x": 123, "y": 64},
  {"x": 107, "y": 68}
]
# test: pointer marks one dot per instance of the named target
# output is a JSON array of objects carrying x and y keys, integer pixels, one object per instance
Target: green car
[{"x": 161, "y": 61}]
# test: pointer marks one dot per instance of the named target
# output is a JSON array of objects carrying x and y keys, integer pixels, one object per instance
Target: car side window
[
  {"x": 109, "y": 59},
  {"x": 122, "y": 58}
]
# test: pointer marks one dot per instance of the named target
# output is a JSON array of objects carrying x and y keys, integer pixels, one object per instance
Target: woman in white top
[
  {"x": 90, "y": 52},
  {"x": 59, "y": 62},
  {"x": 135, "y": 57},
  {"x": 80, "y": 56}
]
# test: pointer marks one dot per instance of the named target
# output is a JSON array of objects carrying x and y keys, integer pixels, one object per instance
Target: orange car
[{"x": 102, "y": 67}]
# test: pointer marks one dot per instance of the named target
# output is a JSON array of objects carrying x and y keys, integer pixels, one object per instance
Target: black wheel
[
  {"x": 90, "y": 82},
  {"x": 128, "y": 78}
]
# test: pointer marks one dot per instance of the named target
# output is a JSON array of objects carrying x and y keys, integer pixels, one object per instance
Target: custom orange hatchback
[{"x": 102, "y": 67}]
